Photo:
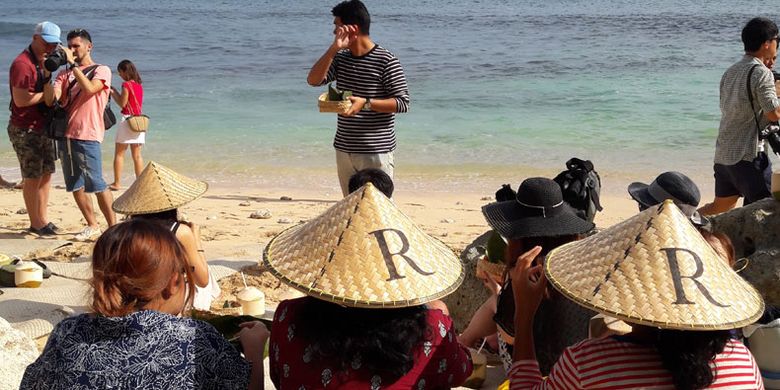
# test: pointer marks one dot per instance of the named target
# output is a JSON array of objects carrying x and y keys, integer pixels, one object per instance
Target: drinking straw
[{"x": 484, "y": 340}]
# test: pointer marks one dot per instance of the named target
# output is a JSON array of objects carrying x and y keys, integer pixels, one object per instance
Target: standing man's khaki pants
[{"x": 348, "y": 164}]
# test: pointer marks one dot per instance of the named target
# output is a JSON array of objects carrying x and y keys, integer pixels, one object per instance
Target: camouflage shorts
[{"x": 34, "y": 151}]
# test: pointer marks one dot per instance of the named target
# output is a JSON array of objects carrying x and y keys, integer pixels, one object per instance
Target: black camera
[
  {"x": 776, "y": 75},
  {"x": 771, "y": 134},
  {"x": 55, "y": 60}
]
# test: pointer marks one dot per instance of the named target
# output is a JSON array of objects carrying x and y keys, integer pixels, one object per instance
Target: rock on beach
[
  {"x": 261, "y": 214},
  {"x": 755, "y": 232},
  {"x": 465, "y": 301}
]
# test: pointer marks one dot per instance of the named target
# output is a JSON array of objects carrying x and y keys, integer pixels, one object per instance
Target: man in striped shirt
[{"x": 365, "y": 135}]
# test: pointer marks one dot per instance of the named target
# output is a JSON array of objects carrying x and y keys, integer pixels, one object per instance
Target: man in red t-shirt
[{"x": 25, "y": 128}]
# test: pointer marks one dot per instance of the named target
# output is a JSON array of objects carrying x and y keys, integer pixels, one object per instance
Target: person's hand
[
  {"x": 69, "y": 55},
  {"x": 487, "y": 281},
  {"x": 253, "y": 336},
  {"x": 195, "y": 229},
  {"x": 357, "y": 105},
  {"x": 528, "y": 283},
  {"x": 113, "y": 89},
  {"x": 344, "y": 36},
  {"x": 42, "y": 65}
]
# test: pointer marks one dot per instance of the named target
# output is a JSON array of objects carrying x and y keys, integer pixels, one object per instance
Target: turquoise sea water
[{"x": 495, "y": 84}]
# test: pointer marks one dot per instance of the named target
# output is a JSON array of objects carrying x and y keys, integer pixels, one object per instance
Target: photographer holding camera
[
  {"x": 25, "y": 128},
  {"x": 83, "y": 87},
  {"x": 748, "y": 103}
]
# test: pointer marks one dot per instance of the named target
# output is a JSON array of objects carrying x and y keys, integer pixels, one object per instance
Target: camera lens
[{"x": 55, "y": 60}]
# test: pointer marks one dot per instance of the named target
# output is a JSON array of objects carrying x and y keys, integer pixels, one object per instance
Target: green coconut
[
  {"x": 334, "y": 94},
  {"x": 496, "y": 247}
]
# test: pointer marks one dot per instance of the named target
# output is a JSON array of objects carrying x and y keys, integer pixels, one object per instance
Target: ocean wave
[{"x": 15, "y": 29}]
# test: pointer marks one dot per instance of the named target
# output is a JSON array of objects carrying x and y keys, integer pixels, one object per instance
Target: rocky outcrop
[
  {"x": 17, "y": 351},
  {"x": 465, "y": 301},
  {"x": 755, "y": 232}
]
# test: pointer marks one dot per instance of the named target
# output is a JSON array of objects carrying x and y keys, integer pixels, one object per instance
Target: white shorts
[
  {"x": 126, "y": 136},
  {"x": 205, "y": 295}
]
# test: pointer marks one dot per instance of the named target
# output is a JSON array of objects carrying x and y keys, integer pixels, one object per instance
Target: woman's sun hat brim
[
  {"x": 510, "y": 220},
  {"x": 654, "y": 269},
  {"x": 158, "y": 189},
  {"x": 364, "y": 252}
]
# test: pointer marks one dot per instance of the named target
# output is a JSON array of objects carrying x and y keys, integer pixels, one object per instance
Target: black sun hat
[
  {"x": 668, "y": 185},
  {"x": 537, "y": 211}
]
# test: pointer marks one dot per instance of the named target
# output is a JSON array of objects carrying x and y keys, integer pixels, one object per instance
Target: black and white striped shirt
[{"x": 376, "y": 75}]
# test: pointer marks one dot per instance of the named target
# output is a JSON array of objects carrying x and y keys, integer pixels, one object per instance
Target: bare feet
[{"x": 114, "y": 187}]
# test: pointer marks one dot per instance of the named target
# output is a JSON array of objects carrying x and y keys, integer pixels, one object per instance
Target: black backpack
[{"x": 581, "y": 186}]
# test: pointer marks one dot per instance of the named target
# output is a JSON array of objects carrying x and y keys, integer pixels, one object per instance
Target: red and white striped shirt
[{"x": 610, "y": 363}]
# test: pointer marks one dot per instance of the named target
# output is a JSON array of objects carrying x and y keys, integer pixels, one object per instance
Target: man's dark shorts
[
  {"x": 35, "y": 152},
  {"x": 743, "y": 179}
]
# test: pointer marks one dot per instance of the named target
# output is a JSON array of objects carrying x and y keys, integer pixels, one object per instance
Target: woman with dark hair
[
  {"x": 369, "y": 321},
  {"x": 135, "y": 339},
  {"x": 130, "y": 100},
  {"x": 656, "y": 272},
  {"x": 157, "y": 195},
  {"x": 536, "y": 216}
]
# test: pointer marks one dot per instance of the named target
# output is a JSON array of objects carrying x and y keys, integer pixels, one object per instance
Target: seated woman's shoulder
[
  {"x": 435, "y": 316},
  {"x": 144, "y": 322}
]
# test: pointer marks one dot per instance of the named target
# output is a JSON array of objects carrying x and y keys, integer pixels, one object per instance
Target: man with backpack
[
  {"x": 83, "y": 88},
  {"x": 748, "y": 103},
  {"x": 25, "y": 127}
]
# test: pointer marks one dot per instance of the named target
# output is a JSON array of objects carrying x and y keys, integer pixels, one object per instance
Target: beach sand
[{"x": 451, "y": 215}]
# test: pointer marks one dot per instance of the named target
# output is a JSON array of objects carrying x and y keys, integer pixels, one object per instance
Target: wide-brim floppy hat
[
  {"x": 654, "y": 269},
  {"x": 364, "y": 252},
  {"x": 538, "y": 211},
  {"x": 668, "y": 185},
  {"x": 158, "y": 189}
]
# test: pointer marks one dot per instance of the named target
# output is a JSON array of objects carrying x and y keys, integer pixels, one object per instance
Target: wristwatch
[{"x": 367, "y": 105}]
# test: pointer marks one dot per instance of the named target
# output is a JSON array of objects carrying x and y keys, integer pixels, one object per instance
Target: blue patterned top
[{"x": 143, "y": 350}]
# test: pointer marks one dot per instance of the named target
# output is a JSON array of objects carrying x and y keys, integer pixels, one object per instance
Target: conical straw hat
[
  {"x": 654, "y": 269},
  {"x": 364, "y": 252},
  {"x": 157, "y": 189}
]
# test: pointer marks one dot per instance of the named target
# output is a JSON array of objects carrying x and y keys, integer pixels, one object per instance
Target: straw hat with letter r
[
  {"x": 364, "y": 252},
  {"x": 654, "y": 269}
]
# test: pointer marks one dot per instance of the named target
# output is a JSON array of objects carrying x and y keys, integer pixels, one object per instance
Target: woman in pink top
[
  {"x": 657, "y": 273},
  {"x": 131, "y": 100}
]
